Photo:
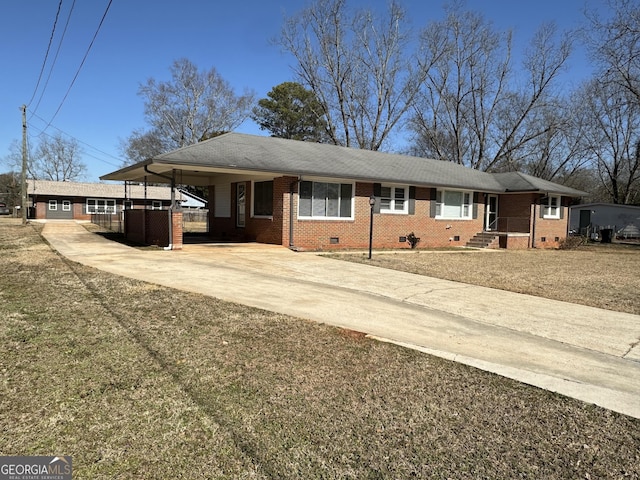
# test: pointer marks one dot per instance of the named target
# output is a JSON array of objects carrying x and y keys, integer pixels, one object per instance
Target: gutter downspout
[
  {"x": 291, "y": 244},
  {"x": 172, "y": 179}
]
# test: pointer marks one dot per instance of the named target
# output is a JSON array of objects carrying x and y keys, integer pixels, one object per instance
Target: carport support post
[{"x": 171, "y": 207}]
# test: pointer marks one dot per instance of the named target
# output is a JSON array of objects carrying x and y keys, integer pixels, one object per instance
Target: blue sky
[{"x": 141, "y": 38}]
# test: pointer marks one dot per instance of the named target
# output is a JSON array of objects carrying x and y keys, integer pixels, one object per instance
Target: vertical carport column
[
  {"x": 175, "y": 218},
  {"x": 176, "y": 229}
]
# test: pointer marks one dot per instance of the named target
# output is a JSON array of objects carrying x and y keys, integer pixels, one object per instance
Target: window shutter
[
  {"x": 476, "y": 198},
  {"x": 433, "y": 199},
  {"x": 561, "y": 207},
  {"x": 412, "y": 200},
  {"x": 542, "y": 205},
  {"x": 377, "y": 192}
]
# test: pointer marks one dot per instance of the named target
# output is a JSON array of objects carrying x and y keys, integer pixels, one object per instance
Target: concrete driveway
[{"x": 582, "y": 352}]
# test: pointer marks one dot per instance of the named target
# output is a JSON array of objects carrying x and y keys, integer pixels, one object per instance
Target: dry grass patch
[
  {"x": 139, "y": 381},
  {"x": 603, "y": 276}
]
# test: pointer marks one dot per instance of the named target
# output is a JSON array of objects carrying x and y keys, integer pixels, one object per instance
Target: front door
[
  {"x": 240, "y": 204},
  {"x": 491, "y": 217}
]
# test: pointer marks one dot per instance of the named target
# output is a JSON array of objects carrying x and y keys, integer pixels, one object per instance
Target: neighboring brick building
[
  {"x": 78, "y": 201},
  {"x": 316, "y": 196}
]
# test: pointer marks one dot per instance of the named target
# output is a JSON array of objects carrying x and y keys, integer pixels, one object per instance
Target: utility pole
[{"x": 23, "y": 184}]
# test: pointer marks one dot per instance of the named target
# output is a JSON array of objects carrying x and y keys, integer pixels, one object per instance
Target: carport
[{"x": 159, "y": 227}]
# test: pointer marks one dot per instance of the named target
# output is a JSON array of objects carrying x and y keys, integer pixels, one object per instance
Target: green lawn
[{"x": 139, "y": 381}]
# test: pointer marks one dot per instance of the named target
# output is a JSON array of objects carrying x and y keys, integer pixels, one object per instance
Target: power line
[
  {"x": 53, "y": 31},
  {"x": 81, "y": 65},
  {"x": 66, "y": 25},
  {"x": 42, "y": 132}
]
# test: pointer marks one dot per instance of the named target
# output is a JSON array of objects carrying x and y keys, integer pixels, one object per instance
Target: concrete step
[{"x": 482, "y": 240}]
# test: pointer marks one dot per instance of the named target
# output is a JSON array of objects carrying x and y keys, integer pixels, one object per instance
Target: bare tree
[
  {"x": 559, "y": 152},
  {"x": 141, "y": 145},
  {"x": 10, "y": 188},
  {"x": 614, "y": 44},
  {"x": 58, "y": 159},
  {"x": 613, "y": 138},
  {"x": 191, "y": 107},
  {"x": 357, "y": 66},
  {"x": 611, "y": 100},
  {"x": 470, "y": 109}
]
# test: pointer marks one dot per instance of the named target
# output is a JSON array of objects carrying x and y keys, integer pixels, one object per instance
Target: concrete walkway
[{"x": 582, "y": 352}]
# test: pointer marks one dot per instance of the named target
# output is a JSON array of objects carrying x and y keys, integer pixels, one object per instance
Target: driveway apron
[{"x": 586, "y": 353}]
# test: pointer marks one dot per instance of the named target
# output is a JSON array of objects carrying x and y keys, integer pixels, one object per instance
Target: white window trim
[
  {"x": 53, "y": 205},
  {"x": 351, "y": 218},
  {"x": 109, "y": 206},
  {"x": 156, "y": 204},
  {"x": 66, "y": 205},
  {"x": 548, "y": 206},
  {"x": 469, "y": 216},
  {"x": 392, "y": 210}
]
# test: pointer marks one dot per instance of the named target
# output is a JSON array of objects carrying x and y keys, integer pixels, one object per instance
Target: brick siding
[{"x": 389, "y": 230}]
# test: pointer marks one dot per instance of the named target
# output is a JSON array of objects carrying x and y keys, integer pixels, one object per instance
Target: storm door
[
  {"x": 241, "y": 201},
  {"x": 491, "y": 217}
]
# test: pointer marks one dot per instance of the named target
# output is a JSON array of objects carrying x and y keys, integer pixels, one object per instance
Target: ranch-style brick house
[
  {"x": 313, "y": 196},
  {"x": 79, "y": 201}
]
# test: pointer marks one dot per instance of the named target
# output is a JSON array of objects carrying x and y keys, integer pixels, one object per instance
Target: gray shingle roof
[
  {"x": 521, "y": 182},
  {"x": 252, "y": 153},
  {"x": 97, "y": 190},
  {"x": 297, "y": 158}
]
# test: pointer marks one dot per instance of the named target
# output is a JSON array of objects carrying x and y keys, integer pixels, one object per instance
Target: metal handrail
[{"x": 510, "y": 225}]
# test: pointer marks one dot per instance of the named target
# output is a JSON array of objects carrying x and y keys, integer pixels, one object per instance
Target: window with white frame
[
  {"x": 53, "y": 205},
  {"x": 101, "y": 205},
  {"x": 156, "y": 205},
  {"x": 551, "y": 206},
  {"x": 66, "y": 205},
  {"x": 128, "y": 204},
  {"x": 394, "y": 199},
  {"x": 454, "y": 204},
  {"x": 325, "y": 200},
  {"x": 263, "y": 199}
]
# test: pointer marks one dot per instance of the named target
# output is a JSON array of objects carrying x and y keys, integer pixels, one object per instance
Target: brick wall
[
  {"x": 41, "y": 210},
  {"x": 515, "y": 241},
  {"x": 387, "y": 228},
  {"x": 549, "y": 232},
  {"x": 514, "y": 212},
  {"x": 257, "y": 229},
  {"x": 269, "y": 230},
  {"x": 176, "y": 222}
]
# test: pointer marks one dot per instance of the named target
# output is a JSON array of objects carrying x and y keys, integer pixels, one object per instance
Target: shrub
[
  {"x": 570, "y": 243},
  {"x": 413, "y": 240}
]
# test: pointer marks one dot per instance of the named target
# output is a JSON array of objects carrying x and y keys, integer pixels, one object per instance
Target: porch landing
[{"x": 508, "y": 240}]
